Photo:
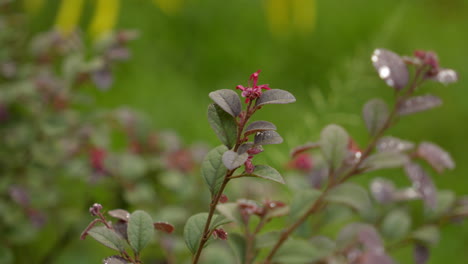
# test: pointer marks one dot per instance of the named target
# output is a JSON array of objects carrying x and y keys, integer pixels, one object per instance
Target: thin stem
[
  {"x": 318, "y": 204},
  {"x": 206, "y": 230},
  {"x": 215, "y": 199}
]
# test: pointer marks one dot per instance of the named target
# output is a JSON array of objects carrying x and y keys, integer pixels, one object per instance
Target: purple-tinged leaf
[
  {"x": 114, "y": 260},
  {"x": 297, "y": 150},
  {"x": 228, "y": 100},
  {"x": 334, "y": 145},
  {"x": 427, "y": 235},
  {"x": 418, "y": 104},
  {"x": 446, "y": 76},
  {"x": 385, "y": 160},
  {"x": 120, "y": 214},
  {"x": 164, "y": 226},
  {"x": 391, "y": 68},
  {"x": 438, "y": 158},
  {"x": 233, "y": 160},
  {"x": 108, "y": 238},
  {"x": 370, "y": 238},
  {"x": 445, "y": 202},
  {"x": 382, "y": 190},
  {"x": 121, "y": 228},
  {"x": 102, "y": 78},
  {"x": 422, "y": 183},
  {"x": 375, "y": 113},
  {"x": 246, "y": 146},
  {"x": 267, "y": 172},
  {"x": 389, "y": 143},
  {"x": 223, "y": 125},
  {"x": 275, "y": 96},
  {"x": 420, "y": 254},
  {"x": 267, "y": 138},
  {"x": 318, "y": 176},
  {"x": 259, "y": 126}
]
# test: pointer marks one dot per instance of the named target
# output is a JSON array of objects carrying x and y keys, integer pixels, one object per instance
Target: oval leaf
[
  {"x": 164, "y": 226},
  {"x": 385, "y": 160},
  {"x": 427, "y": 235},
  {"x": 396, "y": 225},
  {"x": 419, "y": 103},
  {"x": 120, "y": 214},
  {"x": 382, "y": 190},
  {"x": 267, "y": 172},
  {"x": 375, "y": 113},
  {"x": 391, "y": 68},
  {"x": 223, "y": 125},
  {"x": 422, "y": 183},
  {"x": 267, "y": 138},
  {"x": 228, "y": 100},
  {"x": 275, "y": 96},
  {"x": 213, "y": 169},
  {"x": 140, "y": 229},
  {"x": 194, "y": 227},
  {"x": 334, "y": 144},
  {"x": 393, "y": 144},
  {"x": 259, "y": 126},
  {"x": 352, "y": 195},
  {"x": 445, "y": 202},
  {"x": 232, "y": 160},
  {"x": 108, "y": 238},
  {"x": 438, "y": 158}
]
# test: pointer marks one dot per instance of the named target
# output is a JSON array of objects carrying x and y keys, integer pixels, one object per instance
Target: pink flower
[{"x": 253, "y": 92}]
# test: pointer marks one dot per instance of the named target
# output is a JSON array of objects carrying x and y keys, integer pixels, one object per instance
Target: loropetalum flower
[{"x": 254, "y": 91}]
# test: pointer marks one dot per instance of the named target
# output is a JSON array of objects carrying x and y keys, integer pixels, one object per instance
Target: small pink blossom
[{"x": 255, "y": 91}]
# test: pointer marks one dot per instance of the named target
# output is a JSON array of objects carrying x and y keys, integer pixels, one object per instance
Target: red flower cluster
[{"x": 253, "y": 92}]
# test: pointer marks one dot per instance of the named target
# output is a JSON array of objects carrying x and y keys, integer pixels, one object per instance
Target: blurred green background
[{"x": 318, "y": 50}]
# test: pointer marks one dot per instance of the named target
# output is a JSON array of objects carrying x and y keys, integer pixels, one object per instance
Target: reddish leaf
[
  {"x": 419, "y": 103},
  {"x": 422, "y": 183},
  {"x": 164, "y": 226}
]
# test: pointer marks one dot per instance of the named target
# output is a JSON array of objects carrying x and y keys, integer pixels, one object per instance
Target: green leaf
[
  {"x": 267, "y": 239},
  {"x": 334, "y": 144},
  {"x": 302, "y": 201},
  {"x": 259, "y": 126},
  {"x": 385, "y": 160},
  {"x": 266, "y": 172},
  {"x": 354, "y": 196},
  {"x": 375, "y": 113},
  {"x": 233, "y": 160},
  {"x": 267, "y": 138},
  {"x": 275, "y": 96},
  {"x": 297, "y": 251},
  {"x": 445, "y": 201},
  {"x": 230, "y": 211},
  {"x": 213, "y": 169},
  {"x": 140, "y": 229},
  {"x": 223, "y": 125},
  {"x": 228, "y": 100},
  {"x": 193, "y": 230},
  {"x": 396, "y": 225},
  {"x": 238, "y": 245},
  {"x": 428, "y": 235},
  {"x": 108, "y": 238}
]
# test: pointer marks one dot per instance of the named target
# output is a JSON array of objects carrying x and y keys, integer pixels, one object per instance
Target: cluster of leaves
[
  {"x": 50, "y": 140},
  {"x": 370, "y": 223},
  {"x": 133, "y": 231}
]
